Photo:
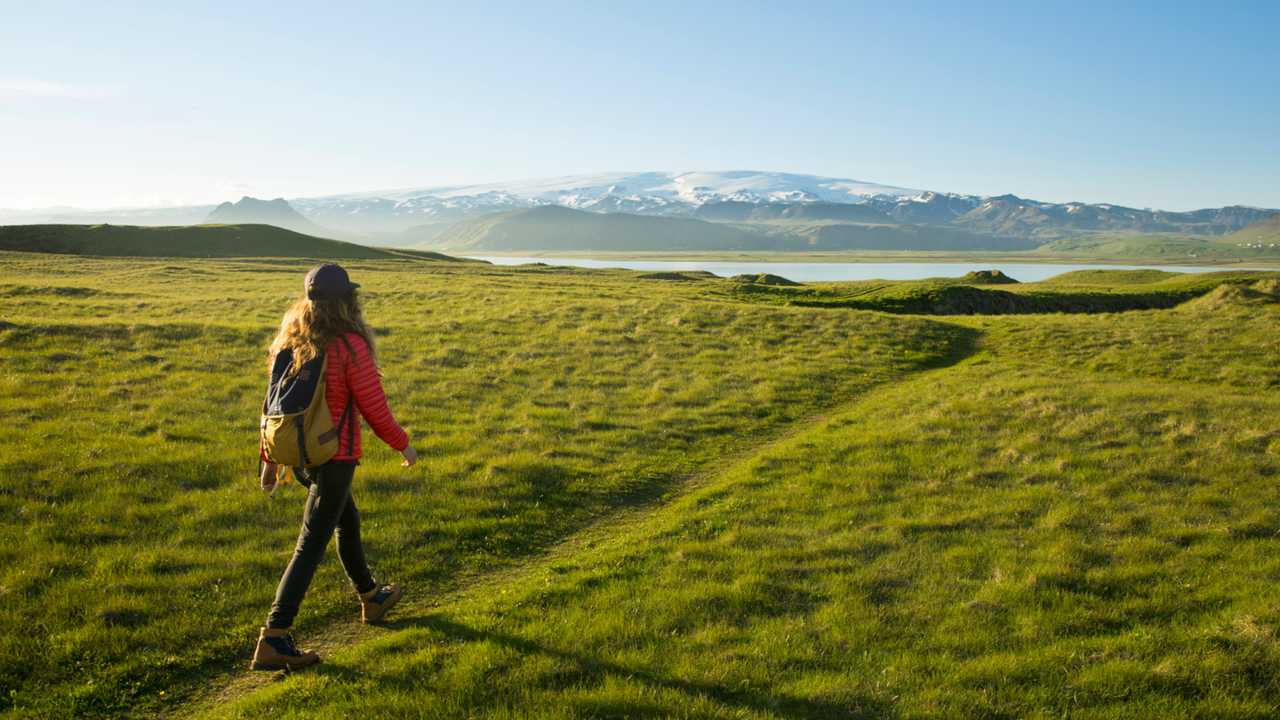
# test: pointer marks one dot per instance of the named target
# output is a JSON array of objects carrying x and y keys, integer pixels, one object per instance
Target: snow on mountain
[
  {"x": 651, "y": 193},
  {"x": 694, "y": 188}
]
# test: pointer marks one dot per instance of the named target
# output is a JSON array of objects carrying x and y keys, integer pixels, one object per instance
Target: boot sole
[
  {"x": 263, "y": 665},
  {"x": 378, "y": 617}
]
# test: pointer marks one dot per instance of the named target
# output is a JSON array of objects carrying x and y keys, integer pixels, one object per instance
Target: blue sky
[{"x": 1170, "y": 105}]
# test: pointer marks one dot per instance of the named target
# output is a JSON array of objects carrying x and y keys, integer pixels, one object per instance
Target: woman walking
[{"x": 329, "y": 318}]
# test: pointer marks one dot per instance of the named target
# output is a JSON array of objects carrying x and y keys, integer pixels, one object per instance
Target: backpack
[{"x": 296, "y": 428}]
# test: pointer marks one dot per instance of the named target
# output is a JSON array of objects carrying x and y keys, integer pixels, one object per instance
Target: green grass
[
  {"x": 1162, "y": 248},
  {"x": 541, "y": 400},
  {"x": 643, "y": 498}
]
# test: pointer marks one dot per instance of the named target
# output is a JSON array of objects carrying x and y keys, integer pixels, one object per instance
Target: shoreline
[{"x": 870, "y": 257}]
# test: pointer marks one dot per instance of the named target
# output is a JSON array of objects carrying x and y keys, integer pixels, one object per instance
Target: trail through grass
[
  {"x": 641, "y": 499},
  {"x": 1004, "y": 538},
  {"x": 139, "y": 555}
]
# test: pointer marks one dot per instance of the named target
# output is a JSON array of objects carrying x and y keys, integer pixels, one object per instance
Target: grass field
[{"x": 647, "y": 498}]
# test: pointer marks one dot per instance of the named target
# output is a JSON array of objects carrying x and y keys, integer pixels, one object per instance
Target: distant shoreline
[{"x": 872, "y": 256}]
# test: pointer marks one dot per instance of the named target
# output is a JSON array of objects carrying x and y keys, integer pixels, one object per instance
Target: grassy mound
[
  {"x": 1112, "y": 278},
  {"x": 189, "y": 241},
  {"x": 668, "y": 276},
  {"x": 1099, "y": 291},
  {"x": 987, "y": 277},
  {"x": 764, "y": 279},
  {"x": 1263, "y": 292}
]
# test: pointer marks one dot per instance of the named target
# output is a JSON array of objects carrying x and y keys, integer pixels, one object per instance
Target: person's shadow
[{"x": 591, "y": 669}]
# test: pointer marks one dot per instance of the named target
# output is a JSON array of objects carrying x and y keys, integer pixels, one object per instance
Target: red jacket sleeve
[{"x": 370, "y": 399}]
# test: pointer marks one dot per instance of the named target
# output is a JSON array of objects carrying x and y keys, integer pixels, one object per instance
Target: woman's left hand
[{"x": 268, "y": 478}]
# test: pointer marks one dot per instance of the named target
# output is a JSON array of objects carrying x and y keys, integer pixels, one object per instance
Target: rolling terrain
[{"x": 650, "y": 495}]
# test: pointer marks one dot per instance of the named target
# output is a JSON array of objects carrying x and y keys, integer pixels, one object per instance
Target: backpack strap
[
  {"x": 302, "y": 439},
  {"x": 351, "y": 396},
  {"x": 351, "y": 438},
  {"x": 345, "y": 341}
]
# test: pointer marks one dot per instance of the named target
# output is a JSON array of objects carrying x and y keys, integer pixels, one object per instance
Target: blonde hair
[{"x": 310, "y": 325}]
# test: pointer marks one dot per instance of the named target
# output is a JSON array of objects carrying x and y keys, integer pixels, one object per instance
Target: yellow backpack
[{"x": 296, "y": 427}]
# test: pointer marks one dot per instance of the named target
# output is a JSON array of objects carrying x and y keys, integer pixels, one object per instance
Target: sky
[{"x": 1170, "y": 105}]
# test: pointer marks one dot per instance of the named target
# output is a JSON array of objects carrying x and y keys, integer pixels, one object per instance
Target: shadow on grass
[{"x": 590, "y": 670}]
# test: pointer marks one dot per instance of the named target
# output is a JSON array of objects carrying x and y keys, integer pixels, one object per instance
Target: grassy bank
[{"x": 644, "y": 498}]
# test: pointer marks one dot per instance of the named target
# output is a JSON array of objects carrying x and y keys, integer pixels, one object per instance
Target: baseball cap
[{"x": 326, "y": 282}]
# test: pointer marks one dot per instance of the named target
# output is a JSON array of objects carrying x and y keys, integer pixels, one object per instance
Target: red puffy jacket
[{"x": 349, "y": 376}]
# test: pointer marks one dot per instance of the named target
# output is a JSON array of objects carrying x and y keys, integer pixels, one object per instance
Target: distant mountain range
[
  {"x": 725, "y": 207},
  {"x": 552, "y": 227}
]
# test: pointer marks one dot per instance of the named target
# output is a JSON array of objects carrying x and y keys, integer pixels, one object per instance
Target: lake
[{"x": 845, "y": 271}]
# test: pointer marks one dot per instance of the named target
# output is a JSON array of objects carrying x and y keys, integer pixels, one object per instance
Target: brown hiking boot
[
  {"x": 276, "y": 652},
  {"x": 378, "y": 601}
]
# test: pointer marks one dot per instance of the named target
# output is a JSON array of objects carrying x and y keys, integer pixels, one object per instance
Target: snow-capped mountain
[
  {"x": 694, "y": 188},
  {"x": 738, "y": 196},
  {"x": 650, "y": 193}
]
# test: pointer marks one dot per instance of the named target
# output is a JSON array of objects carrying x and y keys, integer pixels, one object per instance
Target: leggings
[{"x": 330, "y": 510}]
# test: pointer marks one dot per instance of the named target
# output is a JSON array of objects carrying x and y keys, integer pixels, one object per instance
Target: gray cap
[{"x": 328, "y": 281}]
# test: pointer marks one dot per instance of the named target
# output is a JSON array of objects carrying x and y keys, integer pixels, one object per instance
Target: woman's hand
[
  {"x": 268, "y": 478},
  {"x": 410, "y": 456}
]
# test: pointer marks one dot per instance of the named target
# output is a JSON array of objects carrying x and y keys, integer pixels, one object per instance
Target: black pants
[{"x": 330, "y": 510}]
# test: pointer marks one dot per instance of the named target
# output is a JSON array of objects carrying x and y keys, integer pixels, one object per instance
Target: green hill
[
  {"x": 1170, "y": 248},
  {"x": 849, "y": 236},
  {"x": 551, "y": 227},
  {"x": 418, "y": 235},
  {"x": 1263, "y": 232},
  {"x": 249, "y": 240}
]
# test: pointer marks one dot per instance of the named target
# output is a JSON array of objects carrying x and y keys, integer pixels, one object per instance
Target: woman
[{"x": 328, "y": 317}]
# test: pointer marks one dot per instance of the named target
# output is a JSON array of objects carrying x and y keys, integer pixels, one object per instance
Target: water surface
[{"x": 846, "y": 271}]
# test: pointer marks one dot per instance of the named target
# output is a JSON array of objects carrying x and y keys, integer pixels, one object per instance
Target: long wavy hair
[{"x": 310, "y": 325}]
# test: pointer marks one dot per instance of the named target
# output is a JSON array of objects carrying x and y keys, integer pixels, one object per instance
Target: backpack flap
[{"x": 296, "y": 427}]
